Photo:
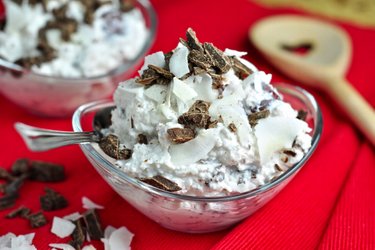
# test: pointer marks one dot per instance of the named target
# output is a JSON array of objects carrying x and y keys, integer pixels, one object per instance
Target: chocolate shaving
[
  {"x": 302, "y": 114},
  {"x": 142, "y": 139},
  {"x": 161, "y": 182},
  {"x": 155, "y": 75},
  {"x": 52, "y": 200},
  {"x": 13, "y": 187},
  {"x": 22, "y": 211},
  {"x": 126, "y": 5},
  {"x": 181, "y": 135},
  {"x": 167, "y": 58},
  {"x": 37, "y": 219},
  {"x": 93, "y": 226},
  {"x": 20, "y": 167},
  {"x": 111, "y": 146},
  {"x": 192, "y": 40},
  {"x": 162, "y": 72},
  {"x": 217, "y": 57},
  {"x": 232, "y": 127},
  {"x": 278, "y": 168},
  {"x": 78, "y": 235},
  {"x": 4, "y": 174},
  {"x": 255, "y": 117}
]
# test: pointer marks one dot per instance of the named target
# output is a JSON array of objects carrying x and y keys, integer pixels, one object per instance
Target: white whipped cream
[
  {"x": 113, "y": 38},
  {"x": 217, "y": 161}
]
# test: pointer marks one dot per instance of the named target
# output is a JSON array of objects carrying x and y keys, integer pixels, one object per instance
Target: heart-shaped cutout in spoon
[{"x": 324, "y": 64}]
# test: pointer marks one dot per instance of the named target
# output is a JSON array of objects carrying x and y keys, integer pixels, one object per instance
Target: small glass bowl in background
[
  {"x": 191, "y": 213},
  {"x": 57, "y": 96}
]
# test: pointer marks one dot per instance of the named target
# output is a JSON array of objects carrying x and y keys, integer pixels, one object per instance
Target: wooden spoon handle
[{"x": 358, "y": 109}]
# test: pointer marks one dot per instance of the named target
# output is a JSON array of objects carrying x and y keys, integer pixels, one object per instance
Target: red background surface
[{"x": 329, "y": 205}]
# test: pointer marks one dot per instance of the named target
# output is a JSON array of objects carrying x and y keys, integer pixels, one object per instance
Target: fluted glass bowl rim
[
  {"x": 149, "y": 12},
  {"x": 99, "y": 158}
]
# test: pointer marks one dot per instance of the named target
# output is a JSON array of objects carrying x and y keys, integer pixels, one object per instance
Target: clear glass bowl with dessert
[
  {"x": 58, "y": 55},
  {"x": 201, "y": 139}
]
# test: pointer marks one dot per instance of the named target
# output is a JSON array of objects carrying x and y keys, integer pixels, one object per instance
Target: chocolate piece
[
  {"x": 8, "y": 201},
  {"x": 2, "y": 23},
  {"x": 4, "y": 174},
  {"x": 111, "y": 146},
  {"x": 217, "y": 57},
  {"x": 232, "y": 127},
  {"x": 193, "y": 41},
  {"x": 126, "y": 5},
  {"x": 162, "y": 183},
  {"x": 46, "y": 171},
  {"x": 289, "y": 152},
  {"x": 198, "y": 58},
  {"x": 78, "y": 235},
  {"x": 13, "y": 186},
  {"x": 22, "y": 211},
  {"x": 148, "y": 77},
  {"x": 103, "y": 118},
  {"x": 52, "y": 200},
  {"x": 197, "y": 116},
  {"x": 37, "y": 219},
  {"x": 181, "y": 135},
  {"x": 302, "y": 114},
  {"x": 167, "y": 58},
  {"x": 93, "y": 226},
  {"x": 241, "y": 70},
  {"x": 255, "y": 117},
  {"x": 142, "y": 139},
  {"x": 162, "y": 72},
  {"x": 278, "y": 168},
  {"x": 20, "y": 166}
]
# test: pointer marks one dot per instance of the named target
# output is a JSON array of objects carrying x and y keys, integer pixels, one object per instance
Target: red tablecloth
[{"x": 330, "y": 204}]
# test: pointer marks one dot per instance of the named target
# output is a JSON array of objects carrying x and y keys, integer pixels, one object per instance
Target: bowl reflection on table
[
  {"x": 191, "y": 213},
  {"x": 59, "y": 97}
]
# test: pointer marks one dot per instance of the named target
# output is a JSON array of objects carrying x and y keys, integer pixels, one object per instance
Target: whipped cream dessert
[
  {"x": 72, "y": 38},
  {"x": 204, "y": 122}
]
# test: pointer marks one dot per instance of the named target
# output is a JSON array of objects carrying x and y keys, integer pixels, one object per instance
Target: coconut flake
[
  {"x": 183, "y": 91},
  {"x": 156, "y": 59},
  {"x": 61, "y": 246},
  {"x": 231, "y": 52},
  {"x": 202, "y": 85},
  {"x": 276, "y": 133},
  {"x": 237, "y": 116},
  {"x": 72, "y": 217},
  {"x": 195, "y": 149},
  {"x": 89, "y": 204},
  {"x": 120, "y": 239},
  {"x": 62, "y": 227},
  {"x": 89, "y": 247},
  {"x": 157, "y": 92},
  {"x": 11, "y": 241},
  {"x": 178, "y": 63}
]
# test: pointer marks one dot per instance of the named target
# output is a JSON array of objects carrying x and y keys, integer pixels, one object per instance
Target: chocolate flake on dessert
[
  {"x": 217, "y": 57},
  {"x": 289, "y": 152},
  {"x": 302, "y": 114},
  {"x": 142, "y": 139},
  {"x": 52, "y": 200},
  {"x": 278, "y": 168},
  {"x": 167, "y": 58},
  {"x": 162, "y": 72},
  {"x": 180, "y": 135},
  {"x": 232, "y": 127},
  {"x": 199, "y": 59},
  {"x": 37, "y": 219},
  {"x": 21, "y": 211},
  {"x": 197, "y": 116},
  {"x": 241, "y": 70},
  {"x": 155, "y": 75},
  {"x": 192, "y": 40},
  {"x": 111, "y": 146},
  {"x": 162, "y": 183},
  {"x": 93, "y": 226},
  {"x": 255, "y": 117}
]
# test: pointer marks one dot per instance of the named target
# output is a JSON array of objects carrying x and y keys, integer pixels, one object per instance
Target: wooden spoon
[{"x": 323, "y": 66}]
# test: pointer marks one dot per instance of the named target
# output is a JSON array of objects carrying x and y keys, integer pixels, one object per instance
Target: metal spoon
[
  {"x": 38, "y": 139},
  {"x": 324, "y": 66}
]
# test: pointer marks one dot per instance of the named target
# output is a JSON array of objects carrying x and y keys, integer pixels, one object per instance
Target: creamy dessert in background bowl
[
  {"x": 201, "y": 139},
  {"x": 57, "y": 55}
]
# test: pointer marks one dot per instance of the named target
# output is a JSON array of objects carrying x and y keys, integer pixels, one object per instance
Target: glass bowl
[
  {"x": 59, "y": 97},
  {"x": 194, "y": 214}
]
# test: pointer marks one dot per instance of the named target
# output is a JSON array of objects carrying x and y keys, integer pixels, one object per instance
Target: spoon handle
[
  {"x": 358, "y": 109},
  {"x": 38, "y": 139}
]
